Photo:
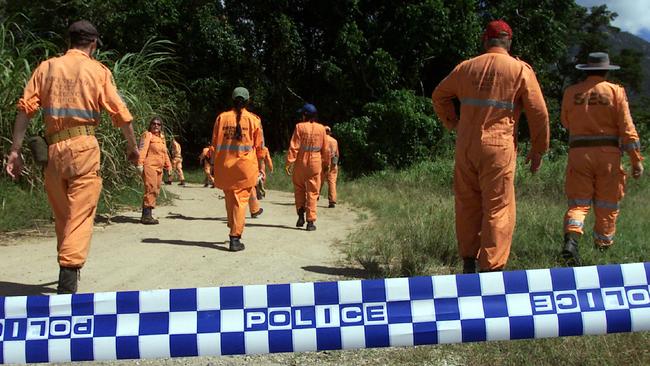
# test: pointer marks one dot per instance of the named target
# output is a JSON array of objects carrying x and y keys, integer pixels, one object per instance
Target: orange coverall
[
  {"x": 177, "y": 160},
  {"x": 597, "y": 115},
  {"x": 330, "y": 175},
  {"x": 309, "y": 153},
  {"x": 492, "y": 89},
  {"x": 154, "y": 157},
  {"x": 206, "y": 160},
  {"x": 236, "y": 163},
  {"x": 72, "y": 90}
]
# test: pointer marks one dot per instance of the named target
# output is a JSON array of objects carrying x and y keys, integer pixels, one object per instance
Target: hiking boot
[
  {"x": 603, "y": 245},
  {"x": 469, "y": 265},
  {"x": 169, "y": 182},
  {"x": 147, "y": 217},
  {"x": 235, "y": 244},
  {"x": 205, "y": 184},
  {"x": 256, "y": 214},
  {"x": 331, "y": 205},
  {"x": 68, "y": 280},
  {"x": 301, "y": 218},
  {"x": 182, "y": 183},
  {"x": 311, "y": 226},
  {"x": 570, "y": 250}
]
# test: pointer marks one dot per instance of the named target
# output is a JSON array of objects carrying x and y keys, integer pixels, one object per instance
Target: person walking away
[
  {"x": 330, "y": 175},
  {"x": 177, "y": 162},
  {"x": 254, "y": 201},
  {"x": 597, "y": 116},
  {"x": 71, "y": 90},
  {"x": 205, "y": 159},
  {"x": 153, "y": 159},
  {"x": 237, "y": 141},
  {"x": 492, "y": 89},
  {"x": 308, "y": 155}
]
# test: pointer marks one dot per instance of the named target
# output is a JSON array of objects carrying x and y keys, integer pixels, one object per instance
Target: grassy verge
[
  {"x": 413, "y": 234},
  {"x": 25, "y": 207}
]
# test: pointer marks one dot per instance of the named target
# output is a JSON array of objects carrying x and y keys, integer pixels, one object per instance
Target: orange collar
[
  {"x": 77, "y": 52},
  {"x": 500, "y": 50}
]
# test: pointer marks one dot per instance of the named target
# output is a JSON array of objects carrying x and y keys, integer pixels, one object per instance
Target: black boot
[
  {"x": 182, "y": 183},
  {"x": 235, "y": 244},
  {"x": 331, "y": 205},
  {"x": 256, "y": 214},
  {"x": 469, "y": 265},
  {"x": 301, "y": 218},
  {"x": 570, "y": 251},
  {"x": 147, "y": 217},
  {"x": 311, "y": 226},
  {"x": 68, "y": 280}
]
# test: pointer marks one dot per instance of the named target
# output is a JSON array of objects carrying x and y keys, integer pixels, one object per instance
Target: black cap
[{"x": 83, "y": 31}]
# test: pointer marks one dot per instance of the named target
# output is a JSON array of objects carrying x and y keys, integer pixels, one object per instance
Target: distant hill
[{"x": 621, "y": 40}]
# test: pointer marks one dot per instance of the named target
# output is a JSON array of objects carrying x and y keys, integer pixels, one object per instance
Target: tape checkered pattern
[{"x": 326, "y": 315}]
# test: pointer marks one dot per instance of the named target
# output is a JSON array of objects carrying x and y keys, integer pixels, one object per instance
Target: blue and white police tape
[{"x": 326, "y": 315}]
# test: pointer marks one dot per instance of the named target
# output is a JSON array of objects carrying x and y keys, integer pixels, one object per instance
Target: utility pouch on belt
[{"x": 38, "y": 147}]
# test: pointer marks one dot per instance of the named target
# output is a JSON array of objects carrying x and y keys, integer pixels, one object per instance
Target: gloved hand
[
  {"x": 637, "y": 170},
  {"x": 288, "y": 168},
  {"x": 140, "y": 169},
  {"x": 261, "y": 176}
]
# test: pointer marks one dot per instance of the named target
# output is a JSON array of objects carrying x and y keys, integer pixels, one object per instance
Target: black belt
[{"x": 593, "y": 143}]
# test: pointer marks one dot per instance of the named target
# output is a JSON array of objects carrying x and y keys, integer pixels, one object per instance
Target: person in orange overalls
[
  {"x": 492, "y": 89},
  {"x": 177, "y": 163},
  {"x": 308, "y": 155},
  {"x": 254, "y": 201},
  {"x": 329, "y": 175},
  {"x": 71, "y": 90},
  {"x": 153, "y": 159},
  {"x": 597, "y": 116},
  {"x": 238, "y": 150},
  {"x": 268, "y": 162},
  {"x": 205, "y": 159}
]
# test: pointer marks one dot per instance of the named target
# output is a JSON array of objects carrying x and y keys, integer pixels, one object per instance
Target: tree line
[{"x": 369, "y": 65}]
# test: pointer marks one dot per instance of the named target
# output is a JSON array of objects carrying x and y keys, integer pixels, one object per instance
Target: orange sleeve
[
  {"x": 536, "y": 113},
  {"x": 267, "y": 159},
  {"x": 258, "y": 140},
  {"x": 443, "y": 96},
  {"x": 627, "y": 132},
  {"x": 144, "y": 146},
  {"x": 110, "y": 99},
  {"x": 294, "y": 145},
  {"x": 167, "y": 164},
  {"x": 30, "y": 102},
  {"x": 325, "y": 156}
]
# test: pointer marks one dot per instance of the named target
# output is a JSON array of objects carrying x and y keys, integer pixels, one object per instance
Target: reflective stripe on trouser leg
[
  {"x": 253, "y": 203},
  {"x": 605, "y": 223},
  {"x": 152, "y": 180},
  {"x": 238, "y": 204}
]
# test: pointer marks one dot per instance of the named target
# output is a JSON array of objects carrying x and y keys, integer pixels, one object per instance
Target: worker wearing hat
[
  {"x": 330, "y": 175},
  {"x": 493, "y": 89},
  {"x": 308, "y": 155},
  {"x": 71, "y": 90},
  {"x": 597, "y": 116},
  {"x": 238, "y": 150}
]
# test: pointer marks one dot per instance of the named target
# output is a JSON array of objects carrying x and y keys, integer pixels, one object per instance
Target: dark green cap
[{"x": 240, "y": 92}]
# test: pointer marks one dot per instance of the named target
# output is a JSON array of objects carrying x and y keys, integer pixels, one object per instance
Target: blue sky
[{"x": 632, "y": 17}]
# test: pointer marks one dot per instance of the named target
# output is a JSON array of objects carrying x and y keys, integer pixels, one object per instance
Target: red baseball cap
[{"x": 497, "y": 29}]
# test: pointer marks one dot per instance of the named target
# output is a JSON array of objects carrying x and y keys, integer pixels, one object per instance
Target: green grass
[
  {"x": 412, "y": 233},
  {"x": 25, "y": 206}
]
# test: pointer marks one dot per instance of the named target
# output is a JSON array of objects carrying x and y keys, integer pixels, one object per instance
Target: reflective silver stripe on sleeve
[
  {"x": 579, "y": 202},
  {"x": 502, "y": 104},
  {"x": 234, "y": 148},
  {"x": 636, "y": 145},
  {"x": 310, "y": 148},
  {"x": 603, "y": 237},
  {"x": 72, "y": 112},
  {"x": 605, "y": 204},
  {"x": 591, "y": 138},
  {"x": 574, "y": 222}
]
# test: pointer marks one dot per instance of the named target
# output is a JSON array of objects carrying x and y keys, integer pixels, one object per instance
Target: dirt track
[{"x": 188, "y": 249}]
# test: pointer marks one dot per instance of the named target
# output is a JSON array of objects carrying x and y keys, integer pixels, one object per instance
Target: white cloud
[{"x": 632, "y": 14}]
